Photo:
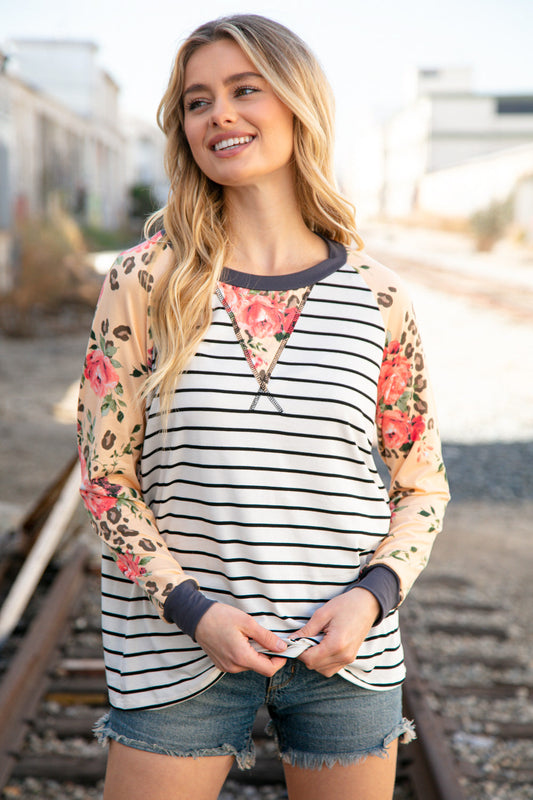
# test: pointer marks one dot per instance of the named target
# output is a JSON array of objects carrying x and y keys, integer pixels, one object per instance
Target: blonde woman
[{"x": 241, "y": 361}]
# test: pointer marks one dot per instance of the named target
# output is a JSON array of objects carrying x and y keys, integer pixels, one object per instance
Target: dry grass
[{"x": 52, "y": 274}]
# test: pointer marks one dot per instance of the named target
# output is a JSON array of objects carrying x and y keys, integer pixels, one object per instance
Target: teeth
[{"x": 225, "y": 143}]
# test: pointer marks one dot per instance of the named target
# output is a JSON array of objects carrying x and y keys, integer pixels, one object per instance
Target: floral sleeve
[
  {"x": 111, "y": 427},
  {"x": 407, "y": 435}
]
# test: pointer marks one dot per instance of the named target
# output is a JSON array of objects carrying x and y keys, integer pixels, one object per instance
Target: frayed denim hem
[
  {"x": 404, "y": 731},
  {"x": 245, "y": 759}
]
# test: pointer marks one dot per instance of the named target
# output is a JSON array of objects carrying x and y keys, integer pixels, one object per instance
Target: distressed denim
[{"x": 316, "y": 721}]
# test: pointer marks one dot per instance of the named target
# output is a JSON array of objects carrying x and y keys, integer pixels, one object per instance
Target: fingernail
[{"x": 281, "y": 645}]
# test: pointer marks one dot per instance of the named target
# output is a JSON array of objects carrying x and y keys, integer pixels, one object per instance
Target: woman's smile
[{"x": 230, "y": 144}]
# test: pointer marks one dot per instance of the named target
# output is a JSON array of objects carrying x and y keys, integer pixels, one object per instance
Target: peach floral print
[{"x": 263, "y": 322}]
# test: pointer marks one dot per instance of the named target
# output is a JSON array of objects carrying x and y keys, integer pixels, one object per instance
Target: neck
[{"x": 267, "y": 232}]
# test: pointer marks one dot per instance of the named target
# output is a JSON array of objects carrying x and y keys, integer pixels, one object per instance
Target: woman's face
[{"x": 239, "y": 131}]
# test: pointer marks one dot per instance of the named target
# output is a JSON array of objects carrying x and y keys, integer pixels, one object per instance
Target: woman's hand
[
  {"x": 345, "y": 620},
  {"x": 223, "y": 633}
]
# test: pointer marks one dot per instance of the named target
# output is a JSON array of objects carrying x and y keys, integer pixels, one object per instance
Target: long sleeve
[
  {"x": 111, "y": 425},
  {"x": 407, "y": 434}
]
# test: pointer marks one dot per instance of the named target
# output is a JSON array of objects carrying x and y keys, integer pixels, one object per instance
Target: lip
[{"x": 220, "y": 137}]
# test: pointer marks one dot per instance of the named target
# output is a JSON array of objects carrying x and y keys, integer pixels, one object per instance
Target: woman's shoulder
[
  {"x": 141, "y": 265},
  {"x": 385, "y": 283}
]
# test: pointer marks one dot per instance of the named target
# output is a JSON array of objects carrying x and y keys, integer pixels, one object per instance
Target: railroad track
[
  {"x": 469, "y": 690},
  {"x": 475, "y": 674}
]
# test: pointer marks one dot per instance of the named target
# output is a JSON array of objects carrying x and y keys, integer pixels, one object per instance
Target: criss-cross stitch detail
[{"x": 262, "y": 321}]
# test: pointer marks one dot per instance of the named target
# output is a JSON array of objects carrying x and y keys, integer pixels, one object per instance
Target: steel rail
[
  {"x": 23, "y": 684},
  {"x": 433, "y": 771},
  {"x": 40, "y": 554}
]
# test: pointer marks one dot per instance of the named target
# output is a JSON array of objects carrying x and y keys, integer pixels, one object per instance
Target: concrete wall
[
  {"x": 57, "y": 152},
  {"x": 6, "y": 143},
  {"x": 66, "y": 70},
  {"x": 144, "y": 154},
  {"x": 466, "y": 188},
  {"x": 445, "y": 125}
]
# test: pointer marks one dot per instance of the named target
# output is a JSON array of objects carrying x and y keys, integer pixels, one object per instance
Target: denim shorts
[{"x": 315, "y": 721}]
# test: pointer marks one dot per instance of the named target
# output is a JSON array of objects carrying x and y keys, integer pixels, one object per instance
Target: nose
[{"x": 223, "y": 112}]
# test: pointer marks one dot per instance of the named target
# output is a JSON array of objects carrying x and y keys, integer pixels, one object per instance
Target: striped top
[{"x": 264, "y": 489}]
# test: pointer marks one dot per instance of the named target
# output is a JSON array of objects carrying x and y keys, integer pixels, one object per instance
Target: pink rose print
[
  {"x": 257, "y": 361},
  {"x": 392, "y": 349},
  {"x": 150, "y": 359},
  {"x": 260, "y": 317},
  {"x": 393, "y": 379},
  {"x": 234, "y": 297},
  {"x": 395, "y": 428},
  {"x": 290, "y": 317},
  {"x": 97, "y": 504},
  {"x": 95, "y": 493},
  {"x": 130, "y": 566},
  {"x": 418, "y": 426},
  {"x": 100, "y": 373}
]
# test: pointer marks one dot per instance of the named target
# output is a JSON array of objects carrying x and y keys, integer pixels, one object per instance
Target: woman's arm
[
  {"x": 409, "y": 444},
  {"x": 111, "y": 427}
]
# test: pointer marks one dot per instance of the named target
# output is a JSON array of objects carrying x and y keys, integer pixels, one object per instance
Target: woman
[{"x": 238, "y": 368}]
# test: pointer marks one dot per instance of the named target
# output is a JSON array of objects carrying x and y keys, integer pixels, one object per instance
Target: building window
[{"x": 514, "y": 105}]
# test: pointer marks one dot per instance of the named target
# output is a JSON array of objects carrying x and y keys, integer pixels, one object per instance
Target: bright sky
[{"x": 365, "y": 46}]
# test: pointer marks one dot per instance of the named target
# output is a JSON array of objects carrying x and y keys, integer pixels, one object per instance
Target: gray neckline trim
[{"x": 293, "y": 280}]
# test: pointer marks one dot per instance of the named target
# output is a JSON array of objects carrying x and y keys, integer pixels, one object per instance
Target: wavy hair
[{"x": 194, "y": 219}]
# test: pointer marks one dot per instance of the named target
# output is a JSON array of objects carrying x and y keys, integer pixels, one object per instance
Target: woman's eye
[
  {"x": 192, "y": 105},
  {"x": 241, "y": 91}
]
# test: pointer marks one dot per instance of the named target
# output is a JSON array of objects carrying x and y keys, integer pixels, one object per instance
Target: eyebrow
[{"x": 239, "y": 76}]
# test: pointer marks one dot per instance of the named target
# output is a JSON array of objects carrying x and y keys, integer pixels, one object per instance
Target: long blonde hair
[{"x": 194, "y": 219}]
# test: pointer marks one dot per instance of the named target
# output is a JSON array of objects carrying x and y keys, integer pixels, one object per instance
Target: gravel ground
[{"x": 487, "y": 428}]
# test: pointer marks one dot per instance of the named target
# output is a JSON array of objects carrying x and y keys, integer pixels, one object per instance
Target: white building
[
  {"x": 64, "y": 109},
  {"x": 144, "y": 158},
  {"x": 60, "y": 140},
  {"x": 67, "y": 70},
  {"x": 5, "y": 181},
  {"x": 444, "y": 124}
]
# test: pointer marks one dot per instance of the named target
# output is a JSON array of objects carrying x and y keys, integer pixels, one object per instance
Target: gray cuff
[
  {"x": 384, "y": 584},
  {"x": 185, "y": 606}
]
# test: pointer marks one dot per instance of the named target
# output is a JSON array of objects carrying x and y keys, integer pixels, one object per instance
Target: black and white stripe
[{"x": 273, "y": 512}]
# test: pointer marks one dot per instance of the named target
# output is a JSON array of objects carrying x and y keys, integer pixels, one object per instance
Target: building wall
[
  {"x": 66, "y": 142},
  {"x": 462, "y": 190},
  {"x": 56, "y": 155},
  {"x": 406, "y": 154},
  {"x": 446, "y": 125},
  {"x": 67, "y": 70},
  {"x": 63, "y": 143},
  {"x": 144, "y": 157}
]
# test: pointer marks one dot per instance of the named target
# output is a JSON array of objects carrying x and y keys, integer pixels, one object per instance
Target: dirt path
[{"x": 36, "y": 432}]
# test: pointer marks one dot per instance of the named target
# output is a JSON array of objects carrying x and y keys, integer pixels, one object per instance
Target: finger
[
  {"x": 277, "y": 662},
  {"x": 313, "y": 626},
  {"x": 264, "y": 665},
  {"x": 266, "y": 638},
  {"x": 326, "y": 667},
  {"x": 321, "y": 655}
]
